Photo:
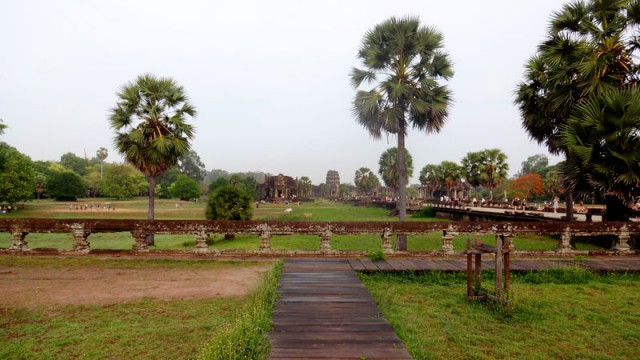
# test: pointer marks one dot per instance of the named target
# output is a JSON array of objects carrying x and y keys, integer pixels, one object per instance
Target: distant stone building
[
  {"x": 277, "y": 187},
  {"x": 333, "y": 184}
]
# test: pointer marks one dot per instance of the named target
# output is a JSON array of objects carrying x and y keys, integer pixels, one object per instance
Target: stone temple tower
[{"x": 333, "y": 183}]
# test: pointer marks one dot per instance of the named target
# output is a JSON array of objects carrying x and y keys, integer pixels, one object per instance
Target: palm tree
[
  {"x": 150, "y": 124},
  {"x": 102, "y": 154},
  {"x": 588, "y": 52},
  {"x": 429, "y": 178},
  {"x": 611, "y": 167},
  {"x": 366, "y": 181},
  {"x": 389, "y": 169},
  {"x": 304, "y": 187},
  {"x": 493, "y": 169},
  {"x": 471, "y": 168},
  {"x": 405, "y": 64},
  {"x": 451, "y": 176},
  {"x": 3, "y": 126}
]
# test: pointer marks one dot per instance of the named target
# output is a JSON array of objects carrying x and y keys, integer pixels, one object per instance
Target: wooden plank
[
  {"x": 397, "y": 265},
  {"x": 369, "y": 265},
  {"x": 356, "y": 265}
]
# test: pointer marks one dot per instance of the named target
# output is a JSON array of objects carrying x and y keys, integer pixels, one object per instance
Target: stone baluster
[
  {"x": 80, "y": 235},
  {"x": 447, "y": 242},
  {"x": 265, "y": 241},
  {"x": 386, "y": 241},
  {"x": 201, "y": 242},
  {"x": 325, "y": 238},
  {"x": 564, "y": 246},
  {"x": 505, "y": 238},
  {"x": 140, "y": 238},
  {"x": 622, "y": 244},
  {"x": 18, "y": 240}
]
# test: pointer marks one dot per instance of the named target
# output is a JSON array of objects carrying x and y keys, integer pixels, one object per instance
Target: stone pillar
[
  {"x": 18, "y": 240},
  {"x": 622, "y": 244},
  {"x": 386, "y": 241},
  {"x": 265, "y": 241},
  {"x": 447, "y": 243},
  {"x": 80, "y": 235},
  {"x": 325, "y": 238},
  {"x": 140, "y": 244},
  {"x": 201, "y": 242},
  {"x": 564, "y": 246}
]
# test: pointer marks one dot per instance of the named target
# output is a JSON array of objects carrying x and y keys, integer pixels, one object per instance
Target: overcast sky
[{"x": 270, "y": 79}]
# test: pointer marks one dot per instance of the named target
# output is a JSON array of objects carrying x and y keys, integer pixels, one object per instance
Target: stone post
[
  {"x": 18, "y": 240},
  {"x": 447, "y": 243},
  {"x": 265, "y": 241},
  {"x": 325, "y": 238},
  {"x": 564, "y": 246},
  {"x": 622, "y": 244},
  {"x": 140, "y": 244},
  {"x": 386, "y": 241},
  {"x": 80, "y": 235},
  {"x": 201, "y": 242}
]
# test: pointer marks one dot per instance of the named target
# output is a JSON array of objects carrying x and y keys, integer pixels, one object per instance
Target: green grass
[
  {"x": 570, "y": 313},
  {"x": 143, "y": 329},
  {"x": 245, "y": 337}
]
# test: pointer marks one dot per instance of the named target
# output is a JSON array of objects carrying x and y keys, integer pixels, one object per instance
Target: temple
[{"x": 277, "y": 187}]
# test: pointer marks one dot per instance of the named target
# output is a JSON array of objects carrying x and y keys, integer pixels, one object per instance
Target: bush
[
  {"x": 425, "y": 212},
  {"x": 377, "y": 255},
  {"x": 65, "y": 186},
  {"x": 229, "y": 203}
]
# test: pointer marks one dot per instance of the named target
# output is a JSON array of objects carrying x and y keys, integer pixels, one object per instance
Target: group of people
[{"x": 91, "y": 206}]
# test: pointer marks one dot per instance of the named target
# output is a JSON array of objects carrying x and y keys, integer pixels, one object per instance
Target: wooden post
[
  {"x": 507, "y": 265},
  {"x": 499, "y": 267},
  {"x": 469, "y": 269},
  {"x": 478, "y": 274}
]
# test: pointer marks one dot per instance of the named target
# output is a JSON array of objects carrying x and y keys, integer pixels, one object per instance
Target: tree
[
  {"x": 191, "y": 165},
  {"x": 185, "y": 188},
  {"x": 102, "y": 154},
  {"x": 410, "y": 63},
  {"x": 40, "y": 182},
  {"x": 219, "y": 182},
  {"x": 3, "y": 126},
  {"x": 389, "y": 169},
  {"x": 451, "y": 175},
  {"x": 16, "y": 175},
  {"x": 603, "y": 135},
  {"x": 527, "y": 185},
  {"x": 229, "y": 203},
  {"x": 536, "y": 164},
  {"x": 65, "y": 186},
  {"x": 589, "y": 51},
  {"x": 151, "y": 128},
  {"x": 122, "y": 181},
  {"x": 471, "y": 165},
  {"x": 366, "y": 180},
  {"x": 493, "y": 169},
  {"x": 304, "y": 187},
  {"x": 73, "y": 162},
  {"x": 430, "y": 178}
]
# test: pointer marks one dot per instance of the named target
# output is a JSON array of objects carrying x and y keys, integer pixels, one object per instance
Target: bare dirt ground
[{"x": 29, "y": 287}]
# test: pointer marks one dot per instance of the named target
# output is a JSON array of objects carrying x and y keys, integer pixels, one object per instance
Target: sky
[{"x": 269, "y": 79}]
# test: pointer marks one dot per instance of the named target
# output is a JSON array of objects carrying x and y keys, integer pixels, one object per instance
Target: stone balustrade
[{"x": 81, "y": 229}]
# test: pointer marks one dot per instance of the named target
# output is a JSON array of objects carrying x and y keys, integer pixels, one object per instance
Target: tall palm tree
[
  {"x": 429, "y": 178},
  {"x": 304, "y": 187},
  {"x": 588, "y": 52},
  {"x": 389, "y": 169},
  {"x": 150, "y": 124},
  {"x": 611, "y": 167},
  {"x": 471, "y": 168},
  {"x": 102, "y": 154},
  {"x": 366, "y": 180},
  {"x": 493, "y": 169},
  {"x": 405, "y": 64},
  {"x": 3, "y": 126},
  {"x": 451, "y": 176}
]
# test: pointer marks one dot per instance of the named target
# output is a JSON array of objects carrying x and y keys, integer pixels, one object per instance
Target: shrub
[
  {"x": 229, "y": 203},
  {"x": 377, "y": 255},
  {"x": 425, "y": 212}
]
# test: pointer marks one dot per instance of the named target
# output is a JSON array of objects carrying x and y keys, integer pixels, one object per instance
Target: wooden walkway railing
[{"x": 81, "y": 229}]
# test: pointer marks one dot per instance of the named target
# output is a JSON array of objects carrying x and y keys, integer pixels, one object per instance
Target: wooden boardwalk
[
  {"x": 325, "y": 312},
  {"x": 620, "y": 264}
]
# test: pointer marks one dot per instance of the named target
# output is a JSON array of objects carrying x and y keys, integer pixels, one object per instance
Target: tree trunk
[
  {"x": 616, "y": 209},
  {"x": 401, "y": 244},
  {"x": 152, "y": 207},
  {"x": 569, "y": 209}
]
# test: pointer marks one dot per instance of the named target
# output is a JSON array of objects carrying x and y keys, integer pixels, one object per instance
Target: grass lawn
[
  {"x": 143, "y": 329},
  {"x": 568, "y": 314}
]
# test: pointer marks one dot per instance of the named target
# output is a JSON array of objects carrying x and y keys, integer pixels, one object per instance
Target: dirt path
[{"x": 27, "y": 287}]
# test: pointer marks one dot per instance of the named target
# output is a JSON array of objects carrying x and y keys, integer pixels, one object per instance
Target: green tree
[
  {"x": 185, "y": 188},
  {"x": 102, "y": 154},
  {"x": 589, "y": 51},
  {"x": 16, "y": 175},
  {"x": 493, "y": 169},
  {"x": 3, "y": 127},
  {"x": 366, "y": 181},
  {"x": 73, "y": 162},
  {"x": 164, "y": 181},
  {"x": 451, "y": 176},
  {"x": 218, "y": 182},
  {"x": 304, "y": 187},
  {"x": 152, "y": 133},
  {"x": 389, "y": 169},
  {"x": 65, "y": 186},
  {"x": 40, "y": 183},
  {"x": 191, "y": 165},
  {"x": 430, "y": 178},
  {"x": 536, "y": 164},
  {"x": 122, "y": 181},
  {"x": 407, "y": 60},
  {"x": 603, "y": 135},
  {"x": 229, "y": 203},
  {"x": 471, "y": 164}
]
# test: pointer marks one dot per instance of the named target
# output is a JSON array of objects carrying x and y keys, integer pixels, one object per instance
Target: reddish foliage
[{"x": 528, "y": 185}]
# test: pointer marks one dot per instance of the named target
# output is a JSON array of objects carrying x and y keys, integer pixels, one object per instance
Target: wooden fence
[{"x": 81, "y": 229}]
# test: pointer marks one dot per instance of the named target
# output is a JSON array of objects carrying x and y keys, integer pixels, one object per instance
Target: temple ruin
[
  {"x": 333, "y": 184},
  {"x": 278, "y": 187}
]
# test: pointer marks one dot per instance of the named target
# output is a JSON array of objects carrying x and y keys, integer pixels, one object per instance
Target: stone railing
[{"x": 81, "y": 229}]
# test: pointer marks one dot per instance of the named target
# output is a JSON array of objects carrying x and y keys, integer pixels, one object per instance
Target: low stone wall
[{"x": 81, "y": 229}]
